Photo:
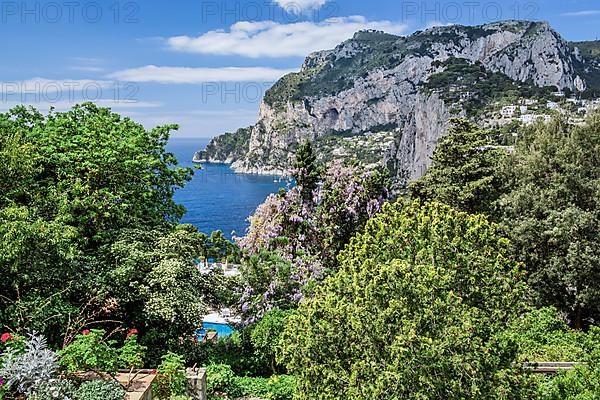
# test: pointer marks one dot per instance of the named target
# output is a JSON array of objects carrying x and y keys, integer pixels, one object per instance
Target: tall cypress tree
[{"x": 306, "y": 171}]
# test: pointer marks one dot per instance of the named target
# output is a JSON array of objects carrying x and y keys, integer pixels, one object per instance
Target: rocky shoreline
[{"x": 241, "y": 169}]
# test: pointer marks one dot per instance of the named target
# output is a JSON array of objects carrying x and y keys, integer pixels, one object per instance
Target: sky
[{"x": 205, "y": 65}]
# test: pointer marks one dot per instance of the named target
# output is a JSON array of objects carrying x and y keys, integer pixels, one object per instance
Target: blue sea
[{"x": 217, "y": 198}]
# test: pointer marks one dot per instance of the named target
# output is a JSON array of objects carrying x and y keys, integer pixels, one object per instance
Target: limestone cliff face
[
  {"x": 427, "y": 124},
  {"x": 381, "y": 99},
  {"x": 523, "y": 51},
  {"x": 375, "y": 83}
]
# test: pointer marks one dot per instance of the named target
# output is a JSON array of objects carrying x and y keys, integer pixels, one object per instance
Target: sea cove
[{"x": 217, "y": 198}]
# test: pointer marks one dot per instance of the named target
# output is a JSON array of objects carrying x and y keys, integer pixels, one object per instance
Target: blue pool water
[
  {"x": 223, "y": 330},
  {"x": 217, "y": 198}
]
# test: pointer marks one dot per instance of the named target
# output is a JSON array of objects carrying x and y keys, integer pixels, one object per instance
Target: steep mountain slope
[
  {"x": 387, "y": 99},
  {"x": 588, "y": 65}
]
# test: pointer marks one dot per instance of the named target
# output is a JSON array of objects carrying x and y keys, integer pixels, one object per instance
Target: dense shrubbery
[
  {"x": 543, "y": 336},
  {"x": 222, "y": 383},
  {"x": 93, "y": 351}
]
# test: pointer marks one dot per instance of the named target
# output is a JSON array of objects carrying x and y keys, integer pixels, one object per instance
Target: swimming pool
[{"x": 223, "y": 330}]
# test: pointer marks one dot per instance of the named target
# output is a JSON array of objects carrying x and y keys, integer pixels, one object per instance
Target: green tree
[
  {"x": 552, "y": 214},
  {"x": 464, "y": 172},
  {"x": 266, "y": 336},
  {"x": 71, "y": 184},
  {"x": 414, "y": 313},
  {"x": 545, "y": 195},
  {"x": 219, "y": 248},
  {"x": 306, "y": 171},
  {"x": 156, "y": 285}
]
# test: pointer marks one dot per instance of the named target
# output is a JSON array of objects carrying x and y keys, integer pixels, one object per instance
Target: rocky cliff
[{"x": 387, "y": 99}]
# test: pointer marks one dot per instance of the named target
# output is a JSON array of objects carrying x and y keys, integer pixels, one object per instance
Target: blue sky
[{"x": 206, "y": 64}]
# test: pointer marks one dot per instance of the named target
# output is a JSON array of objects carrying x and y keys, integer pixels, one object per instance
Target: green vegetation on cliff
[
  {"x": 365, "y": 52},
  {"x": 231, "y": 145},
  {"x": 477, "y": 87}
]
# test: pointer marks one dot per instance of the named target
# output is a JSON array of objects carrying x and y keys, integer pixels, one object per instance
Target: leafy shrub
[
  {"x": 247, "y": 386},
  {"x": 92, "y": 352},
  {"x": 53, "y": 389},
  {"x": 582, "y": 383},
  {"x": 170, "y": 379},
  {"x": 281, "y": 387},
  {"x": 274, "y": 388},
  {"x": 543, "y": 337},
  {"x": 131, "y": 355},
  {"x": 24, "y": 371},
  {"x": 266, "y": 334},
  {"x": 235, "y": 350},
  {"x": 220, "y": 380},
  {"x": 96, "y": 390}
]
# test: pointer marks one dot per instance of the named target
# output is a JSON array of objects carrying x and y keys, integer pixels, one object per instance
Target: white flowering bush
[
  {"x": 54, "y": 389},
  {"x": 24, "y": 371}
]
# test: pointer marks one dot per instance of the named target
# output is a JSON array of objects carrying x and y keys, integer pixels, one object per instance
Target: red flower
[
  {"x": 5, "y": 337},
  {"x": 85, "y": 332},
  {"x": 132, "y": 332}
]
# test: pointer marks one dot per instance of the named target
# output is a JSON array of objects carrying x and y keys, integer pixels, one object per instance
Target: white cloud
[
  {"x": 272, "y": 39},
  {"x": 188, "y": 75},
  {"x": 83, "y": 68},
  {"x": 298, "y": 6},
  {"x": 585, "y": 13},
  {"x": 86, "y": 64},
  {"x": 43, "y": 93}
]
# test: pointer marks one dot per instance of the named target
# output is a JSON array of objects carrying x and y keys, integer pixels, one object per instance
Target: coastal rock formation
[{"x": 387, "y": 100}]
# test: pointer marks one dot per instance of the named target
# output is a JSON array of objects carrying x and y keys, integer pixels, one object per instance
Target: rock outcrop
[{"x": 376, "y": 82}]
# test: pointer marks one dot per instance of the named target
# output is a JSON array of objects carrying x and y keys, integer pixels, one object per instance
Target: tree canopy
[
  {"x": 414, "y": 312},
  {"x": 464, "y": 172},
  {"x": 544, "y": 193},
  {"x": 552, "y": 215},
  {"x": 88, "y": 226}
]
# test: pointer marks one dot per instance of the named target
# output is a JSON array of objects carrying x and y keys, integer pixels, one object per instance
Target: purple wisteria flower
[{"x": 307, "y": 233}]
